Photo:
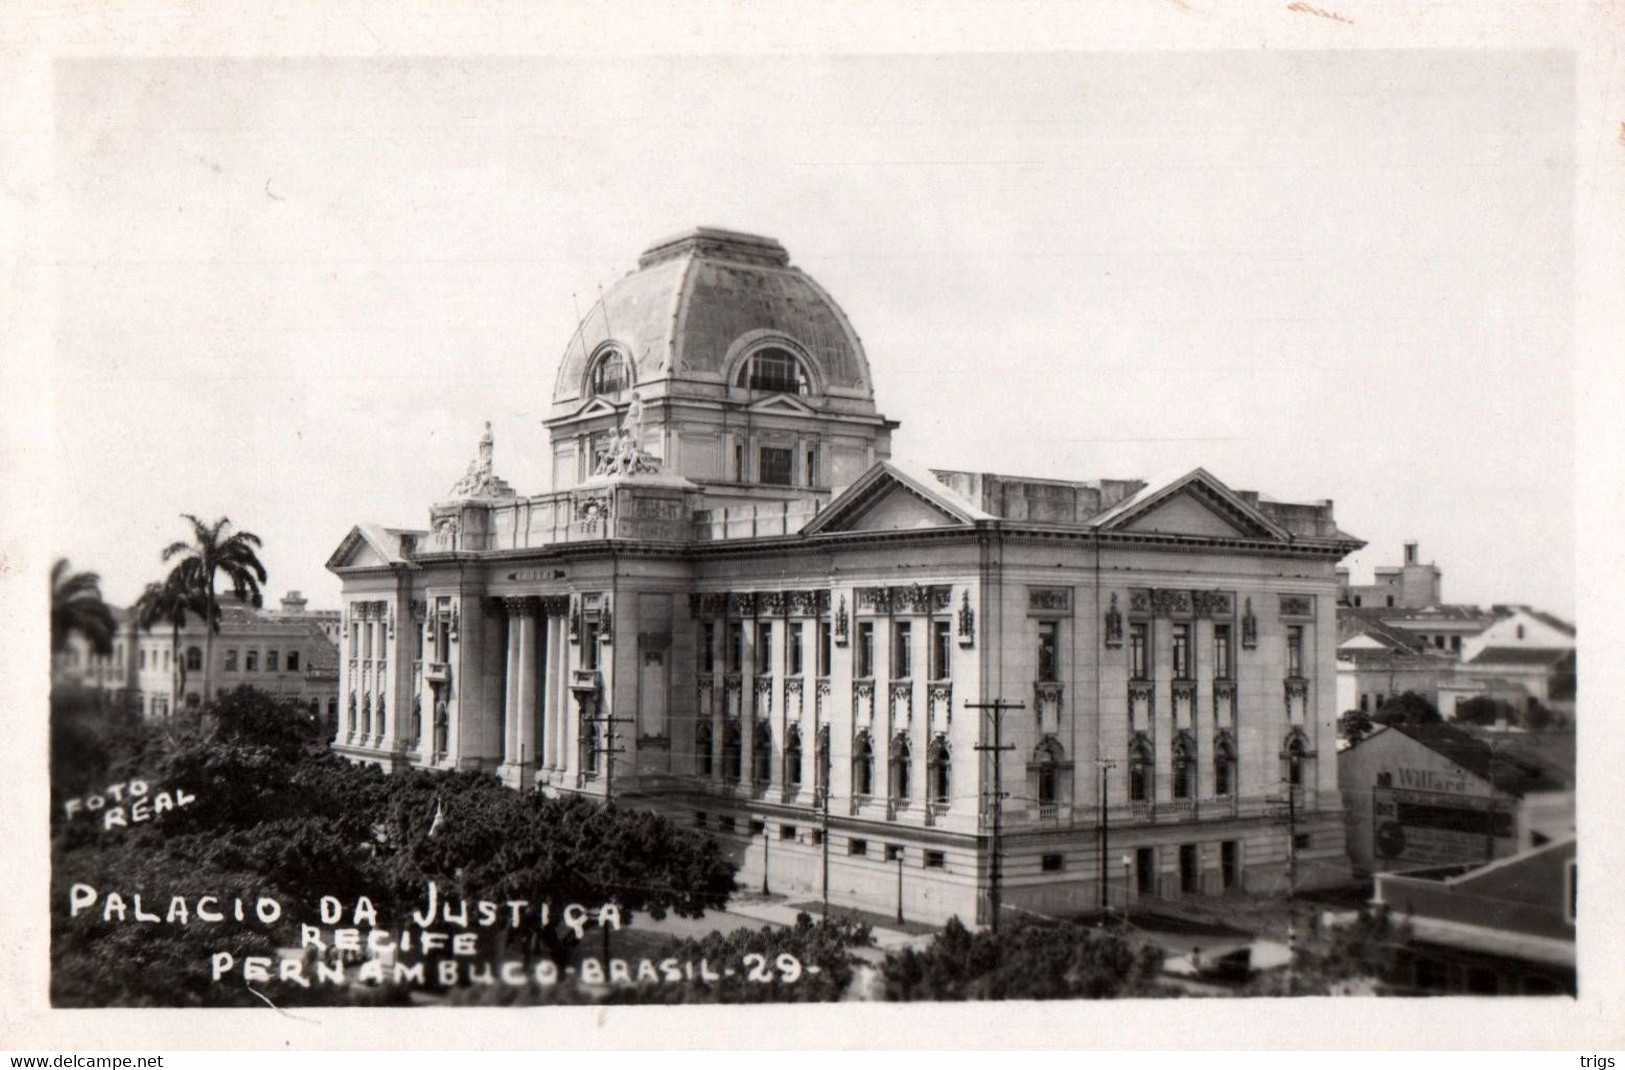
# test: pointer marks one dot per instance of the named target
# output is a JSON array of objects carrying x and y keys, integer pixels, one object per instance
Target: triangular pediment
[
  {"x": 783, "y": 405},
  {"x": 597, "y": 407},
  {"x": 1194, "y": 504},
  {"x": 362, "y": 549},
  {"x": 886, "y": 498}
]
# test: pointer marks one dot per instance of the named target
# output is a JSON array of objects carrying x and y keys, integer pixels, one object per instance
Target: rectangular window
[
  {"x": 727, "y": 824},
  {"x": 1229, "y": 869},
  {"x": 708, "y": 647},
  {"x": 293, "y": 661},
  {"x": 1048, "y": 650},
  {"x": 866, "y": 650},
  {"x": 251, "y": 661},
  {"x": 764, "y": 649},
  {"x": 792, "y": 649},
  {"x": 757, "y": 826},
  {"x": 1455, "y": 643},
  {"x": 1365, "y": 702},
  {"x": 366, "y": 645},
  {"x": 355, "y": 640},
  {"x": 787, "y": 832},
  {"x": 857, "y": 847},
  {"x": 817, "y": 837},
  {"x": 143, "y": 659},
  {"x": 1221, "y": 651},
  {"x": 739, "y": 463},
  {"x": 894, "y": 852},
  {"x": 231, "y": 661},
  {"x": 736, "y": 646},
  {"x": 935, "y": 860},
  {"x": 902, "y": 650},
  {"x": 1190, "y": 872},
  {"x": 941, "y": 649},
  {"x": 826, "y": 642},
  {"x": 1294, "y": 650},
  {"x": 1182, "y": 651},
  {"x": 812, "y": 466},
  {"x": 776, "y": 464},
  {"x": 271, "y": 661},
  {"x": 1300, "y": 842},
  {"x": 1139, "y": 652},
  {"x": 1052, "y": 863},
  {"x": 589, "y": 645}
]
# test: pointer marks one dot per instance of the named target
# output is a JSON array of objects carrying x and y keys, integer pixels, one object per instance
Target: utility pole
[
  {"x": 997, "y": 707},
  {"x": 824, "y": 837},
  {"x": 1104, "y": 767},
  {"x": 609, "y": 721}
]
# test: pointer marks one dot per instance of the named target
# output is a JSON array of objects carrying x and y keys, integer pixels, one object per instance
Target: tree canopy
[
  {"x": 77, "y": 607},
  {"x": 1408, "y": 708}
]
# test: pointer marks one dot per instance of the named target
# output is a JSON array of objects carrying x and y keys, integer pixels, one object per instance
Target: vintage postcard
[{"x": 618, "y": 517}]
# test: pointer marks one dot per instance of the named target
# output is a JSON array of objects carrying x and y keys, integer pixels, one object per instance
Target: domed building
[{"x": 734, "y": 607}]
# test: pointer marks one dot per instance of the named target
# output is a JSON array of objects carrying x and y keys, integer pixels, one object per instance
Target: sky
[{"x": 289, "y": 292}]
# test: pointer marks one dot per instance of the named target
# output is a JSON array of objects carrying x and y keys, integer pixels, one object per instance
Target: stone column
[
  {"x": 523, "y": 757},
  {"x": 514, "y": 608}
]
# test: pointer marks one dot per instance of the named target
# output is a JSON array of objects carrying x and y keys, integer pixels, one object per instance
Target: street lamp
[{"x": 767, "y": 838}]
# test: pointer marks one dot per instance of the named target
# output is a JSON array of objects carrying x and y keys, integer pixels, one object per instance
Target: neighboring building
[
  {"x": 1412, "y": 585},
  {"x": 1506, "y": 928},
  {"x": 331, "y": 621},
  {"x": 288, "y": 656},
  {"x": 1424, "y": 795},
  {"x": 1448, "y": 653},
  {"x": 734, "y": 602}
]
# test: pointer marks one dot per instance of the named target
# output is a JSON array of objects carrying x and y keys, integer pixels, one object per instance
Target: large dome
[{"x": 699, "y": 302}]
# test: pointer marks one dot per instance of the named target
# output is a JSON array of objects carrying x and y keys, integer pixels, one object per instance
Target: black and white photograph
[{"x": 609, "y": 523}]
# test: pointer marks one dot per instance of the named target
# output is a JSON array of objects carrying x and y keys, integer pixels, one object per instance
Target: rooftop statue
[
  {"x": 480, "y": 481},
  {"x": 622, "y": 453}
]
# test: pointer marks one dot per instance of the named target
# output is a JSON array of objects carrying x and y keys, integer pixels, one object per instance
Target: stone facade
[{"x": 790, "y": 668}]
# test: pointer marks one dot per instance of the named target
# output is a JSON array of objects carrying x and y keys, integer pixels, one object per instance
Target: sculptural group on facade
[
  {"x": 622, "y": 454},
  {"x": 480, "y": 481}
]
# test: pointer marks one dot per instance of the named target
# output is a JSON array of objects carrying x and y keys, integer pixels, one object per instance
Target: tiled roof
[
  {"x": 1355, "y": 623},
  {"x": 1520, "y": 655},
  {"x": 1447, "y": 612},
  {"x": 1503, "y": 766}
]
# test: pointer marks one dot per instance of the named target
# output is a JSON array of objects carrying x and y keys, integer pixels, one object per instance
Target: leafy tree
[
  {"x": 1408, "y": 708},
  {"x": 1363, "y": 951},
  {"x": 77, "y": 606},
  {"x": 169, "y": 603},
  {"x": 1028, "y": 959},
  {"x": 216, "y": 550},
  {"x": 1539, "y": 717},
  {"x": 1484, "y": 710},
  {"x": 1354, "y": 725}
]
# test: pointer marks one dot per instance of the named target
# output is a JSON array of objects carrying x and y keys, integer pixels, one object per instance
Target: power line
[{"x": 997, "y": 707}]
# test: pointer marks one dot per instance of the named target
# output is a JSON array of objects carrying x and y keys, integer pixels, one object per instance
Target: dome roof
[{"x": 699, "y": 301}]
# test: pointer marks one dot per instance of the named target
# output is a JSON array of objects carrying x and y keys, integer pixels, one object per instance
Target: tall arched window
[
  {"x": 939, "y": 773},
  {"x": 761, "y": 758},
  {"x": 1293, "y": 758},
  {"x": 1046, "y": 768},
  {"x": 863, "y": 765},
  {"x": 1224, "y": 765},
  {"x": 792, "y": 757},
  {"x": 194, "y": 659},
  {"x": 1140, "y": 770},
  {"x": 773, "y": 369},
  {"x": 901, "y": 752},
  {"x": 610, "y": 374},
  {"x": 733, "y": 750},
  {"x": 702, "y": 748},
  {"x": 1184, "y": 766}
]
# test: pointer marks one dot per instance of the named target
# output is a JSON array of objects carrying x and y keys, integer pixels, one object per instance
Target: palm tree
[
  {"x": 215, "y": 549},
  {"x": 169, "y": 603},
  {"x": 77, "y": 606}
]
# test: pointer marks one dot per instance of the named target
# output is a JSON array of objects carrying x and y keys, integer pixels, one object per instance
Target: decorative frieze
[
  {"x": 901, "y": 699},
  {"x": 939, "y": 701},
  {"x": 1170, "y": 602},
  {"x": 1297, "y": 605},
  {"x": 863, "y": 699},
  {"x": 1047, "y": 702},
  {"x": 1141, "y": 695},
  {"x": 764, "y": 696},
  {"x": 556, "y": 605},
  {"x": 801, "y": 603},
  {"x": 1139, "y": 600},
  {"x": 1049, "y": 599},
  {"x": 592, "y": 510},
  {"x": 741, "y": 604},
  {"x": 793, "y": 697},
  {"x": 1224, "y": 701},
  {"x": 1184, "y": 700},
  {"x": 909, "y": 598},
  {"x": 1220, "y": 604},
  {"x": 770, "y": 603}
]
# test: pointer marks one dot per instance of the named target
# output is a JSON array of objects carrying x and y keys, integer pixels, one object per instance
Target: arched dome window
[
  {"x": 610, "y": 375},
  {"x": 773, "y": 370}
]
